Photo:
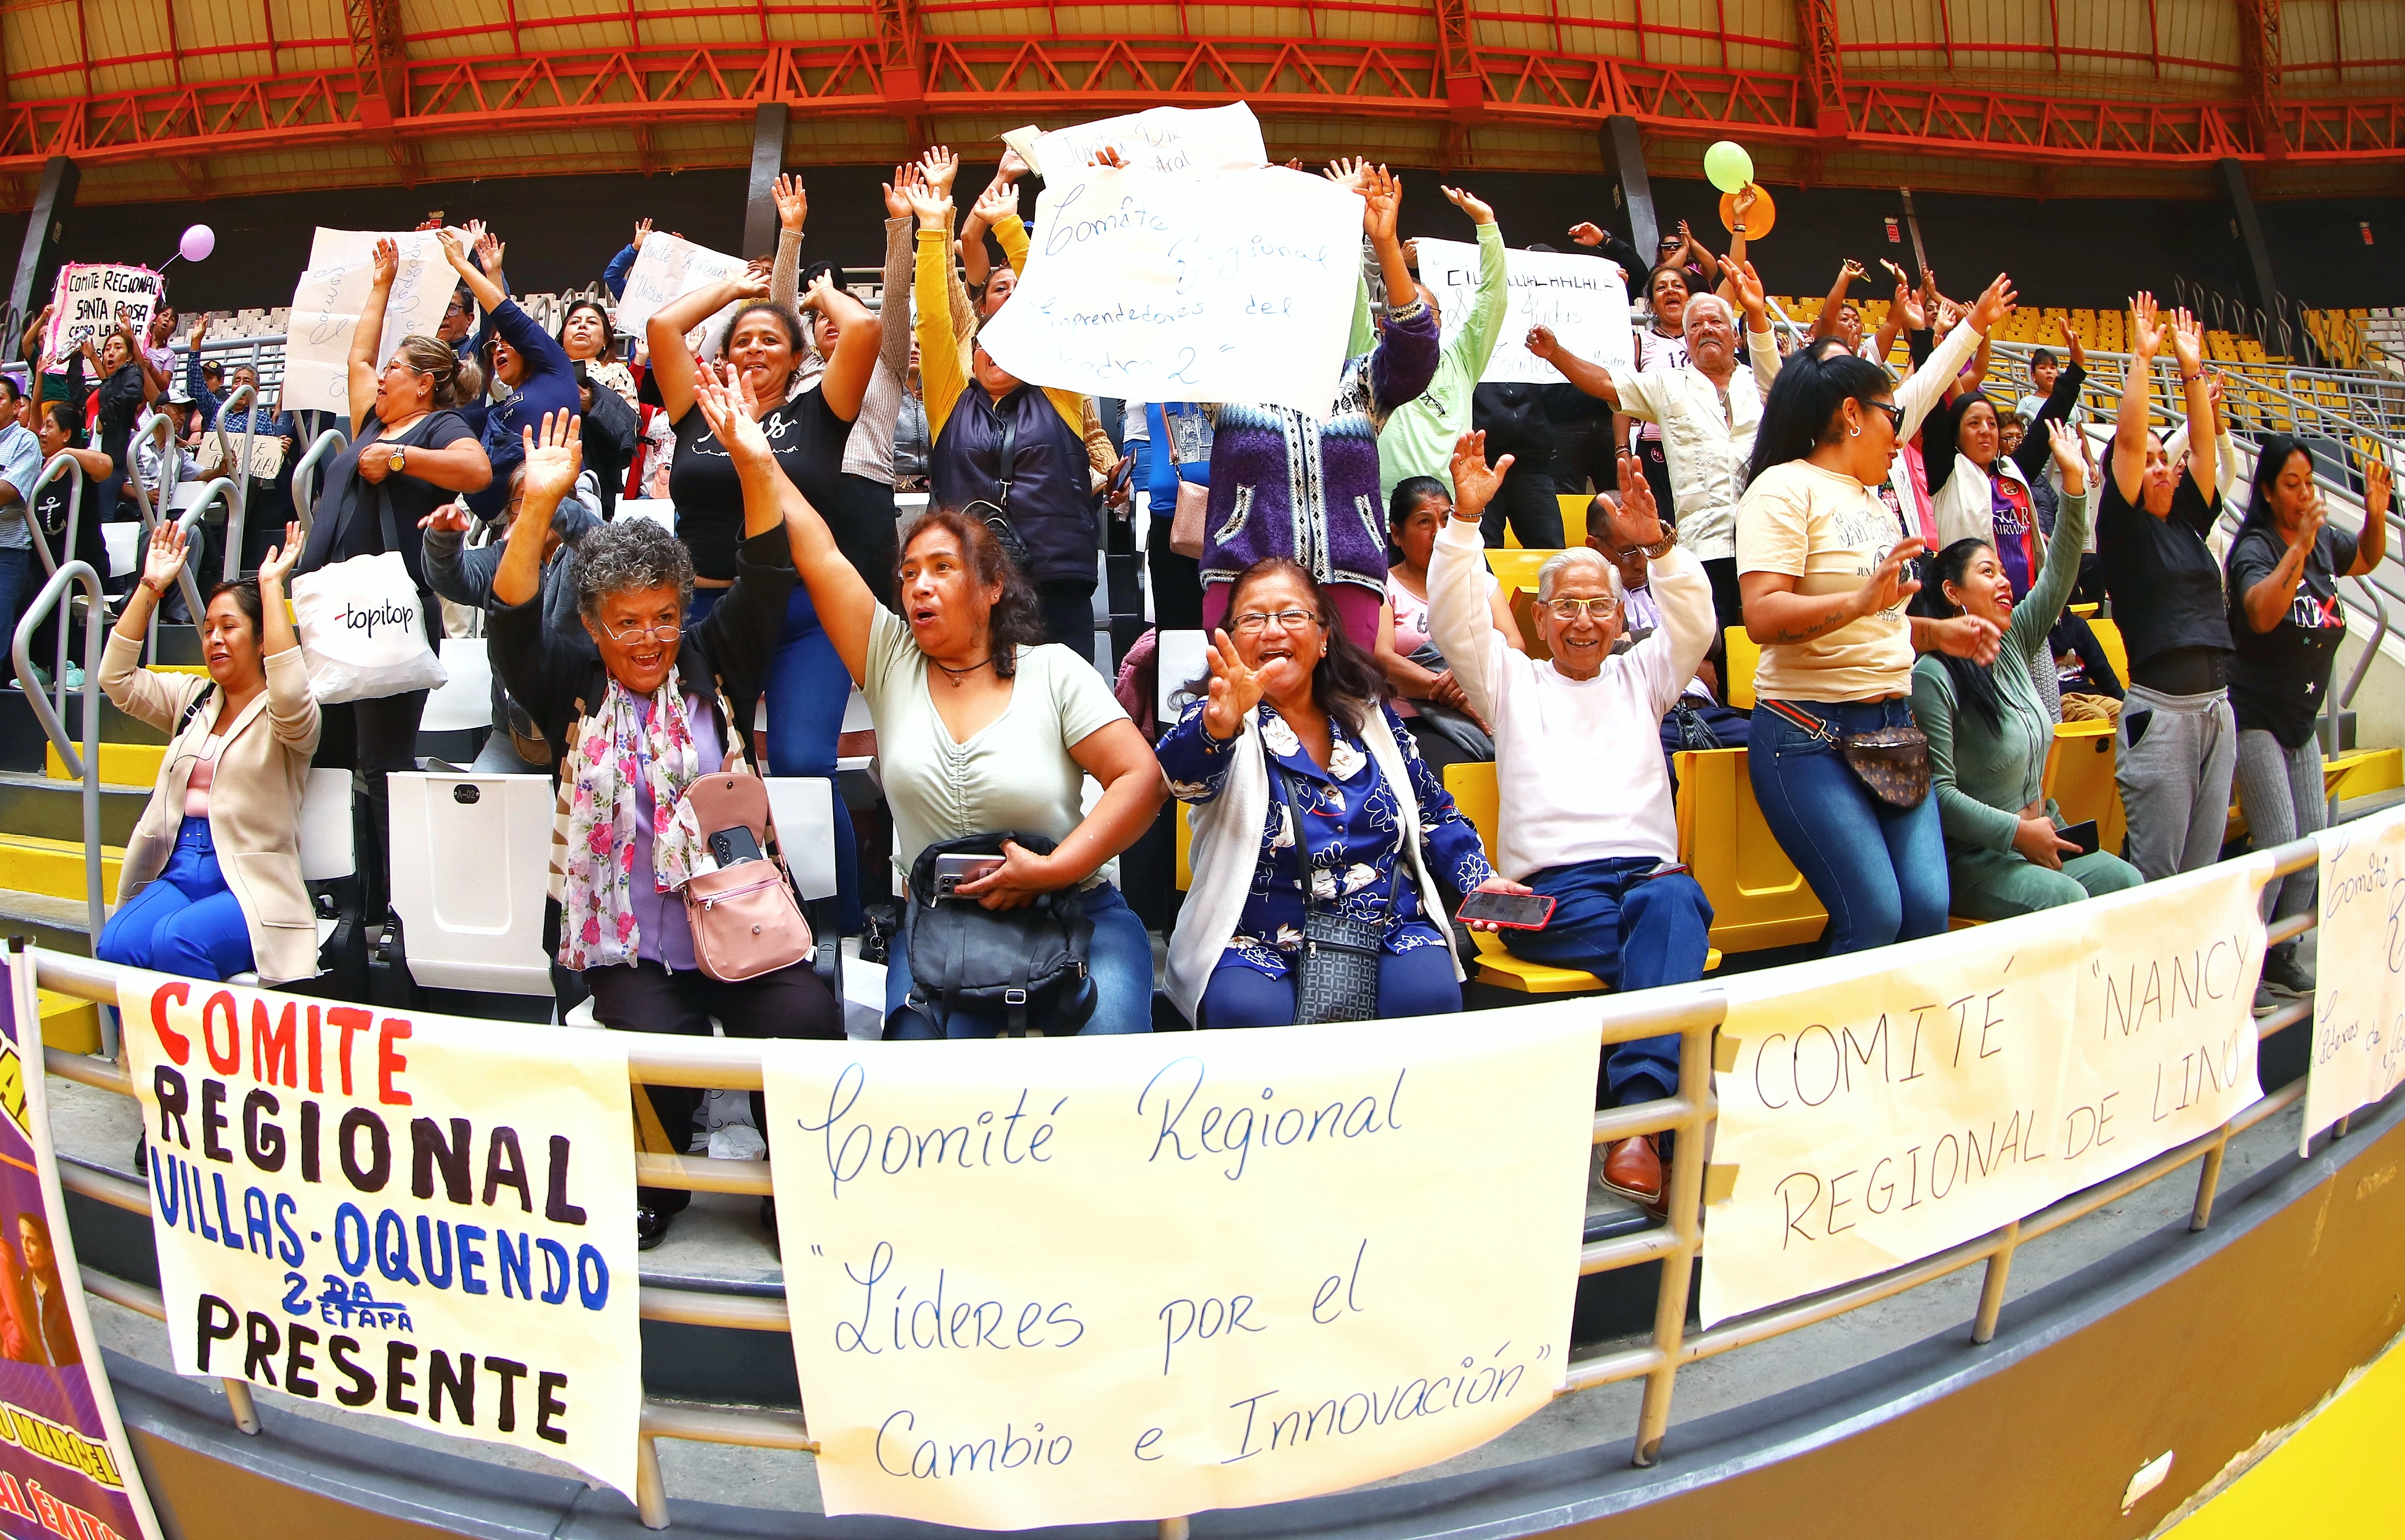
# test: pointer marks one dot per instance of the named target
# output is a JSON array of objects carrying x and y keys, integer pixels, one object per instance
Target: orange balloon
[{"x": 1759, "y": 219}]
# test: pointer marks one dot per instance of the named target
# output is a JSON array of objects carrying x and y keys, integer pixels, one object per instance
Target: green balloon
[{"x": 1727, "y": 166}]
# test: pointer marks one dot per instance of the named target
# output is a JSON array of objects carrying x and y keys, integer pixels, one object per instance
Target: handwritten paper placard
[
  {"x": 1175, "y": 141},
  {"x": 2359, "y": 979},
  {"x": 332, "y": 293},
  {"x": 1235, "y": 286},
  {"x": 1883, "y": 1106},
  {"x": 1076, "y": 1279},
  {"x": 409, "y": 1215},
  {"x": 91, "y": 300},
  {"x": 1581, "y": 297},
  {"x": 667, "y": 269}
]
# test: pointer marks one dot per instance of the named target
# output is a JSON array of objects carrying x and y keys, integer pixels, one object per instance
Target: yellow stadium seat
[
  {"x": 2088, "y": 612},
  {"x": 1179, "y": 816},
  {"x": 2079, "y": 778},
  {"x": 1573, "y": 522},
  {"x": 2363, "y": 771},
  {"x": 2117, "y": 652},
  {"x": 1759, "y": 899},
  {"x": 1737, "y": 675},
  {"x": 1515, "y": 568}
]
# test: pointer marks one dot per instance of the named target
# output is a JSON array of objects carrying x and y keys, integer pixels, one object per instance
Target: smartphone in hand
[{"x": 1512, "y": 911}]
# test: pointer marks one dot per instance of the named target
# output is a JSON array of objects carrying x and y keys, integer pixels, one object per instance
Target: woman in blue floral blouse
[{"x": 1293, "y": 700}]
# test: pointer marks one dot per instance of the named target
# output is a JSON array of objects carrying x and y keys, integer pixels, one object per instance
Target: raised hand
[
  {"x": 2188, "y": 342},
  {"x": 1352, "y": 174},
  {"x": 2375, "y": 490},
  {"x": 163, "y": 558},
  {"x": 1479, "y": 210},
  {"x": 450, "y": 519},
  {"x": 2145, "y": 333},
  {"x": 998, "y": 202},
  {"x": 385, "y": 262},
  {"x": 1746, "y": 198},
  {"x": 898, "y": 194},
  {"x": 642, "y": 233},
  {"x": 1854, "y": 272},
  {"x": 2071, "y": 340},
  {"x": 280, "y": 560},
  {"x": 554, "y": 458},
  {"x": 1542, "y": 342},
  {"x": 2070, "y": 456},
  {"x": 939, "y": 165},
  {"x": 1474, "y": 481},
  {"x": 1382, "y": 201},
  {"x": 1013, "y": 167},
  {"x": 1746, "y": 283},
  {"x": 1236, "y": 689},
  {"x": 1637, "y": 522},
  {"x": 793, "y": 203},
  {"x": 1588, "y": 233},
  {"x": 489, "y": 250},
  {"x": 728, "y": 408},
  {"x": 1993, "y": 304},
  {"x": 455, "y": 251},
  {"x": 933, "y": 209},
  {"x": 199, "y": 330}
]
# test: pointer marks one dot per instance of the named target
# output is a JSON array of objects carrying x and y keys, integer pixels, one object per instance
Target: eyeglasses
[
  {"x": 667, "y": 631},
  {"x": 1572, "y": 609},
  {"x": 1894, "y": 414},
  {"x": 1285, "y": 620}
]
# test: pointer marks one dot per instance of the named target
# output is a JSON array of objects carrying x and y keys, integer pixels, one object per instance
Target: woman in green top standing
[{"x": 1989, "y": 732}]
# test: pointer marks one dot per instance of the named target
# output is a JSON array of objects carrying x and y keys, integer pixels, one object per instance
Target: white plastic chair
[
  {"x": 122, "y": 538},
  {"x": 325, "y": 837},
  {"x": 471, "y": 868},
  {"x": 658, "y": 510},
  {"x": 465, "y": 701}
]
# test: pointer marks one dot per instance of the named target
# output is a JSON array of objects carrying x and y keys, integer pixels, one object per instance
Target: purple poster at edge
[{"x": 65, "y": 1468}]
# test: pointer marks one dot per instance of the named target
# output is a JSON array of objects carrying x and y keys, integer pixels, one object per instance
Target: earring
[{"x": 1853, "y": 433}]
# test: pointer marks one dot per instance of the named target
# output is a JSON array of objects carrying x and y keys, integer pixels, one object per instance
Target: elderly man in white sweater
[{"x": 1586, "y": 817}]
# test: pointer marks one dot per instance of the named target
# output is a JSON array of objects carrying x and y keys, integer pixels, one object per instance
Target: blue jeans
[
  {"x": 1119, "y": 959},
  {"x": 807, "y": 687},
  {"x": 1632, "y": 932},
  {"x": 187, "y": 921},
  {"x": 1879, "y": 870},
  {"x": 1417, "y": 983}
]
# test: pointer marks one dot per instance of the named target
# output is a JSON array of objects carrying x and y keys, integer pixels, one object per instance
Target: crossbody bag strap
[
  {"x": 1006, "y": 462},
  {"x": 1284, "y": 785},
  {"x": 1805, "y": 720}
]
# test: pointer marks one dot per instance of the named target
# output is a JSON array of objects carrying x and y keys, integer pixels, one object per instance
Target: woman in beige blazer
[{"x": 212, "y": 885}]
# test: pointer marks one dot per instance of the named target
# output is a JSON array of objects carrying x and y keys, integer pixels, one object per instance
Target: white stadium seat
[{"x": 471, "y": 869}]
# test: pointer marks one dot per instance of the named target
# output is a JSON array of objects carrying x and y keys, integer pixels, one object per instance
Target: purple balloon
[{"x": 197, "y": 243}]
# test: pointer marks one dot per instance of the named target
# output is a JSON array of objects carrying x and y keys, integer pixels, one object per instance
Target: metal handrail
[
  {"x": 63, "y": 463},
  {"x": 304, "y": 496},
  {"x": 83, "y": 764},
  {"x": 1694, "y": 1012},
  {"x": 150, "y": 516},
  {"x": 237, "y": 469}
]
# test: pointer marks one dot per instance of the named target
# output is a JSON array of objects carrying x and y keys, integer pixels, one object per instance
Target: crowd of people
[{"x": 1902, "y": 551}]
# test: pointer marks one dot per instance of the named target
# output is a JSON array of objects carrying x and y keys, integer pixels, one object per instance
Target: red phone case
[{"x": 1519, "y": 925}]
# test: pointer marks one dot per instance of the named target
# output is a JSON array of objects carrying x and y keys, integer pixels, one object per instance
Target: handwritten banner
[
  {"x": 2359, "y": 979},
  {"x": 1883, "y": 1106},
  {"x": 91, "y": 300},
  {"x": 1175, "y": 141},
  {"x": 666, "y": 270},
  {"x": 65, "y": 1466},
  {"x": 1236, "y": 287},
  {"x": 330, "y": 296},
  {"x": 1080, "y": 1280},
  {"x": 1581, "y": 297},
  {"x": 412, "y": 1216}
]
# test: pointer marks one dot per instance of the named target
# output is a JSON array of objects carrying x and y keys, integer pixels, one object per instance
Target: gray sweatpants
[
  {"x": 2173, "y": 759},
  {"x": 2281, "y": 790}
]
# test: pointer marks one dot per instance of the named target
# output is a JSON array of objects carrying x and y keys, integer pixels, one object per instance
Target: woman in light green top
[
  {"x": 981, "y": 726},
  {"x": 1989, "y": 732}
]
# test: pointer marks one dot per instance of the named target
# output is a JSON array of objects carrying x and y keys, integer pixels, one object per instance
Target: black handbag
[
  {"x": 1026, "y": 964},
  {"x": 1336, "y": 978}
]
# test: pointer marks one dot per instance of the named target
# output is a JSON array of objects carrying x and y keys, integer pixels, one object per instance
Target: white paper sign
[
  {"x": 667, "y": 269},
  {"x": 1236, "y": 287},
  {"x": 1175, "y": 141},
  {"x": 1583, "y": 299},
  {"x": 91, "y": 300},
  {"x": 1076, "y": 1279},
  {"x": 2359, "y": 976},
  {"x": 331, "y": 293},
  {"x": 1881, "y": 1107},
  {"x": 412, "y": 1216}
]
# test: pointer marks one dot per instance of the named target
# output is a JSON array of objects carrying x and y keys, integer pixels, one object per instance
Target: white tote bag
[{"x": 362, "y": 633}]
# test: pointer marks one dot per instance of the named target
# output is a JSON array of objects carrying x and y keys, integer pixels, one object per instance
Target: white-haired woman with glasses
[{"x": 1295, "y": 729}]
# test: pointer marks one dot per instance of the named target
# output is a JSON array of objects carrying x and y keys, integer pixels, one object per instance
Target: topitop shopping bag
[{"x": 362, "y": 633}]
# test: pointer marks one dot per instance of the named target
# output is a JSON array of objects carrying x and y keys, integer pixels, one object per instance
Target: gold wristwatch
[
  {"x": 1659, "y": 547},
  {"x": 399, "y": 461}
]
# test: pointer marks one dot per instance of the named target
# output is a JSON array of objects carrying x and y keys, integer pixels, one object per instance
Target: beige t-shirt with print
[{"x": 1830, "y": 533}]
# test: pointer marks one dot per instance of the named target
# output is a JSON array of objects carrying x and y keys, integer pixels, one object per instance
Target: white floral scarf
[{"x": 597, "y": 920}]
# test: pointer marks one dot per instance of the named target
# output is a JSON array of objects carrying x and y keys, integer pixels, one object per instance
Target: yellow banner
[
  {"x": 1888, "y": 1104},
  {"x": 1087, "y": 1280},
  {"x": 2359, "y": 972}
]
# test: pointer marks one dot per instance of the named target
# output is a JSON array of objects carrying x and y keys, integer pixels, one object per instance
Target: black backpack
[{"x": 1025, "y": 964}]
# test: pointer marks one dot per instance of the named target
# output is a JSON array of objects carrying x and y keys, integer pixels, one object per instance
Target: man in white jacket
[{"x": 1585, "y": 795}]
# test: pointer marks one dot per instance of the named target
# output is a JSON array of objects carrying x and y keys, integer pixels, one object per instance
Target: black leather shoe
[
  {"x": 651, "y": 1226},
  {"x": 768, "y": 1218},
  {"x": 142, "y": 1155}
]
